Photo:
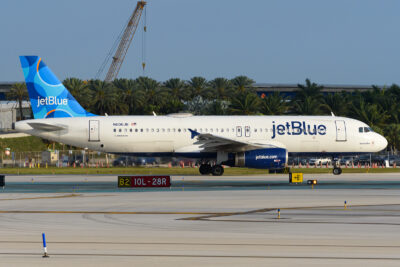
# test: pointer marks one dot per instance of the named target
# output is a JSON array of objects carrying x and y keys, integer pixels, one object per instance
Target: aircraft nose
[{"x": 381, "y": 142}]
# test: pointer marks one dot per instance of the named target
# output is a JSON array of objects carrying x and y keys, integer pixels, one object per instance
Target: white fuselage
[{"x": 170, "y": 135}]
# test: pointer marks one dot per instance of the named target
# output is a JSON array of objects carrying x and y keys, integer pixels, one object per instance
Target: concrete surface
[{"x": 205, "y": 227}]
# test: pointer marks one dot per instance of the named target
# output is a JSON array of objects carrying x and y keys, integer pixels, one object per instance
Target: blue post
[{"x": 45, "y": 255}]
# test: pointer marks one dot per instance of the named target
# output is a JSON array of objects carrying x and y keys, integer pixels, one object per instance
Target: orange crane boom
[{"x": 125, "y": 41}]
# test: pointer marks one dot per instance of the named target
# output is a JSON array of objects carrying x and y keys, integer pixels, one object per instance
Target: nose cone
[{"x": 381, "y": 142}]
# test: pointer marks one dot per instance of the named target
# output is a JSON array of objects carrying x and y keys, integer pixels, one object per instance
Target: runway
[{"x": 227, "y": 221}]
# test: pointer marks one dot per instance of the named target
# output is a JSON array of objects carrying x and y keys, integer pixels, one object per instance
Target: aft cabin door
[
  {"x": 341, "y": 131},
  {"x": 247, "y": 131},
  {"x": 94, "y": 134},
  {"x": 238, "y": 131}
]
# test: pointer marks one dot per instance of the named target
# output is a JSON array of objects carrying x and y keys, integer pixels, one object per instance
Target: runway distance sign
[{"x": 144, "y": 181}]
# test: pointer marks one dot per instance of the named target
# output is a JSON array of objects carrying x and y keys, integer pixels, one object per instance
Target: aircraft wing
[
  {"x": 212, "y": 143},
  {"x": 45, "y": 126}
]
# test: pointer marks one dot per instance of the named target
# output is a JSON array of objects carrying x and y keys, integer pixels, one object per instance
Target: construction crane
[{"x": 125, "y": 40}]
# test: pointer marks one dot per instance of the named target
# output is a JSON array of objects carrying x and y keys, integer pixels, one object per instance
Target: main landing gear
[
  {"x": 337, "y": 170},
  {"x": 216, "y": 170}
]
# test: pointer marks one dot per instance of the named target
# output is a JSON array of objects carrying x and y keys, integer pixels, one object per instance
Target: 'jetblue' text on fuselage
[{"x": 297, "y": 128}]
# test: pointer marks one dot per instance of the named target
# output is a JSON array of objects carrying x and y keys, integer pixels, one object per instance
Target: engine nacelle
[{"x": 267, "y": 158}]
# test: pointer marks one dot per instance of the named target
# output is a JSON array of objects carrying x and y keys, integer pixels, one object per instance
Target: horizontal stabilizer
[{"x": 45, "y": 126}]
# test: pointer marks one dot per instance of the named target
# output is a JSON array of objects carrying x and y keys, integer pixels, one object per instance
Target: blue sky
[{"x": 271, "y": 41}]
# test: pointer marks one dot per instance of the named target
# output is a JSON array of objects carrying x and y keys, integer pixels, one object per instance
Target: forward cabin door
[
  {"x": 341, "y": 135},
  {"x": 94, "y": 133}
]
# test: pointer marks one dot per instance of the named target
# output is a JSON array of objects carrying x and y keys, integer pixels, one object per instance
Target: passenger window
[
  {"x": 174, "y": 130},
  {"x": 227, "y": 129},
  {"x": 201, "y": 130},
  {"x": 136, "y": 130},
  {"x": 120, "y": 130},
  {"x": 233, "y": 130},
  {"x": 126, "y": 130},
  {"x": 211, "y": 130},
  {"x": 216, "y": 130},
  {"x": 157, "y": 130},
  {"x": 261, "y": 130},
  {"x": 141, "y": 130},
  {"x": 130, "y": 129},
  {"x": 222, "y": 130},
  {"x": 366, "y": 129},
  {"x": 115, "y": 130},
  {"x": 147, "y": 129},
  {"x": 255, "y": 130},
  {"x": 361, "y": 129},
  {"x": 179, "y": 130},
  {"x": 163, "y": 130},
  {"x": 206, "y": 130},
  {"x": 184, "y": 129},
  {"x": 152, "y": 130},
  {"x": 168, "y": 130}
]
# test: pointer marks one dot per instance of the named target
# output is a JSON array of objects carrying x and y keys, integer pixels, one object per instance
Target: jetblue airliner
[{"x": 243, "y": 141}]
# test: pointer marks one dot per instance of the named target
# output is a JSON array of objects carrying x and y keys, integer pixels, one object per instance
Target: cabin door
[
  {"x": 94, "y": 133},
  {"x": 239, "y": 131},
  {"x": 341, "y": 131}
]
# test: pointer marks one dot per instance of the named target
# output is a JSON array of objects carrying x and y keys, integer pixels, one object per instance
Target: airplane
[{"x": 262, "y": 142}]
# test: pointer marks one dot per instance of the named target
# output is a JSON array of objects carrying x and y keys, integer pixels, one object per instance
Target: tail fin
[{"x": 49, "y": 97}]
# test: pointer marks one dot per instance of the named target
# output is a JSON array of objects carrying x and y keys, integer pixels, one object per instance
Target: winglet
[{"x": 194, "y": 133}]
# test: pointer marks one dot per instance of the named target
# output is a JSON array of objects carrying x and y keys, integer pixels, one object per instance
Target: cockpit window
[{"x": 365, "y": 129}]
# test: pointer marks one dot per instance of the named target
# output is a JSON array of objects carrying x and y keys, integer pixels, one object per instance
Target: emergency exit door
[
  {"x": 341, "y": 131},
  {"x": 94, "y": 134}
]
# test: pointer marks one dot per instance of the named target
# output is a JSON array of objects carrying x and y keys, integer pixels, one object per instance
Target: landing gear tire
[
  {"x": 205, "y": 169},
  {"x": 217, "y": 170},
  {"x": 337, "y": 171}
]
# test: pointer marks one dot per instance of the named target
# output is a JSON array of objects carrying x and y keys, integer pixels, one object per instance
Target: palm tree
[
  {"x": 154, "y": 97},
  {"x": 18, "y": 93},
  {"x": 245, "y": 103},
  {"x": 198, "y": 87},
  {"x": 79, "y": 90},
  {"x": 177, "y": 88},
  {"x": 392, "y": 133},
  {"x": 241, "y": 83},
  {"x": 274, "y": 104},
  {"x": 308, "y": 90},
  {"x": 105, "y": 98},
  {"x": 130, "y": 95},
  {"x": 309, "y": 106},
  {"x": 222, "y": 87},
  {"x": 371, "y": 114},
  {"x": 337, "y": 103}
]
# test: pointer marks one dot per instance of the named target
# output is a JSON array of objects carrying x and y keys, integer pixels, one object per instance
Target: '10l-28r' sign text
[{"x": 144, "y": 181}]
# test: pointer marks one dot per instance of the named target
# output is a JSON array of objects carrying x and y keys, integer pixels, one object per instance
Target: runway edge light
[{"x": 45, "y": 255}]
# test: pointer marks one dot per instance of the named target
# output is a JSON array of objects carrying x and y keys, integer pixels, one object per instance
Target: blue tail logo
[{"x": 49, "y": 97}]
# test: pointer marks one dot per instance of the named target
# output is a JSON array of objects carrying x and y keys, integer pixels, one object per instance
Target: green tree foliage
[
  {"x": 222, "y": 88},
  {"x": 18, "y": 93},
  {"x": 245, "y": 103},
  {"x": 241, "y": 83},
  {"x": 274, "y": 104},
  {"x": 198, "y": 86}
]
